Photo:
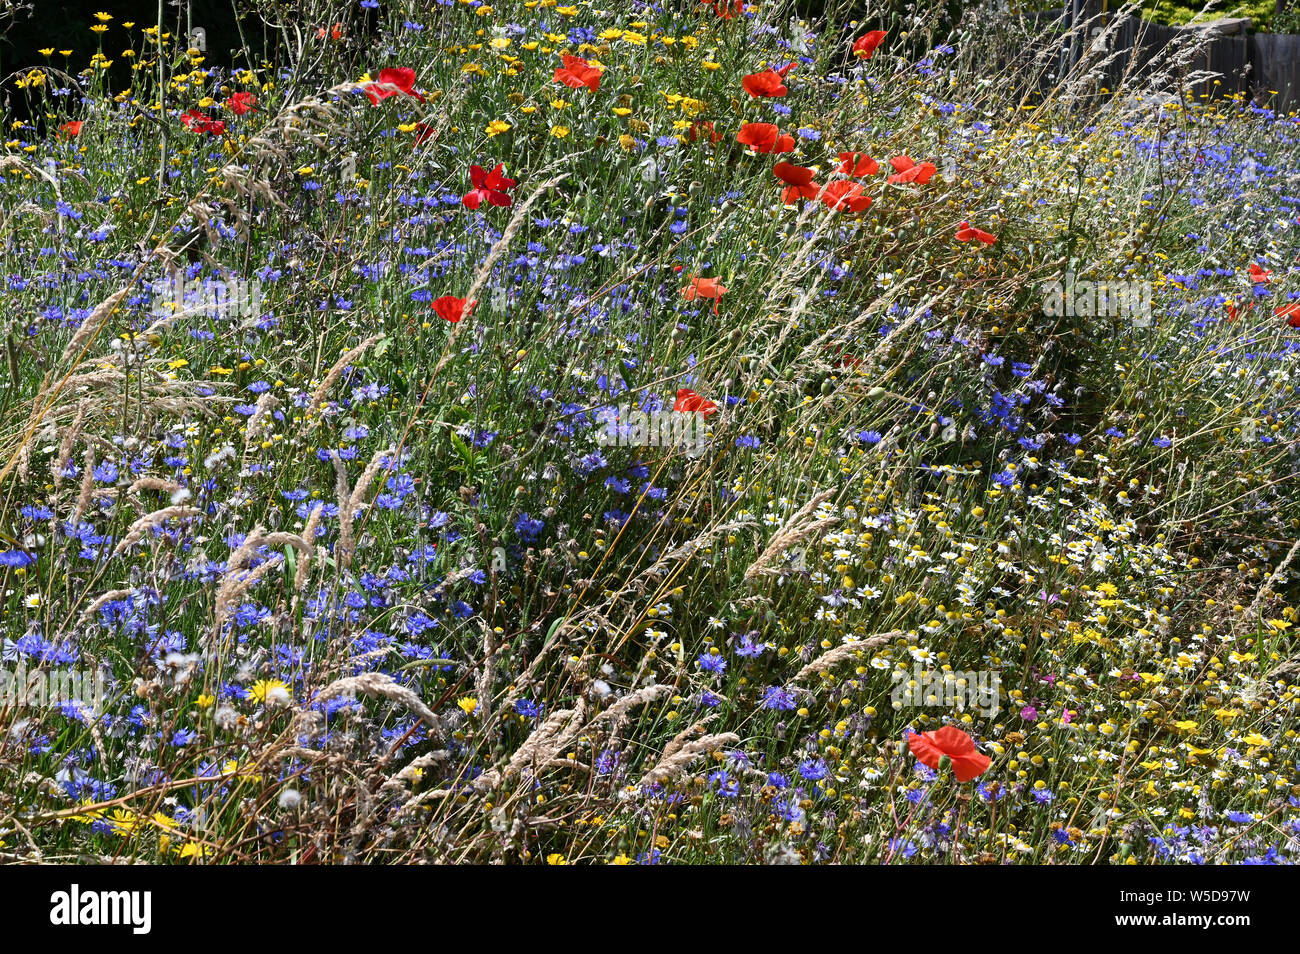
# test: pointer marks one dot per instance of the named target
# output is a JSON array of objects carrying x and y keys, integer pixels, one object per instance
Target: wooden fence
[{"x": 1264, "y": 66}]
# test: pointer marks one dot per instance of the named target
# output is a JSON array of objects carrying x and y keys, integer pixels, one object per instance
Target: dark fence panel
[
  {"x": 1277, "y": 68},
  {"x": 1227, "y": 55},
  {"x": 1264, "y": 66}
]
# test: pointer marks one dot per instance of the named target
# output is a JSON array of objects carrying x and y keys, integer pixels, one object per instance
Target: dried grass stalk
[
  {"x": 336, "y": 372},
  {"x": 135, "y": 533},
  {"x": 671, "y": 765},
  {"x": 798, "y": 529},
  {"x": 833, "y": 657},
  {"x": 382, "y": 685}
]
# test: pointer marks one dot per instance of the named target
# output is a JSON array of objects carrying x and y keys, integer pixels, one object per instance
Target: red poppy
[
  {"x": 1291, "y": 312},
  {"x": 423, "y": 131},
  {"x": 705, "y": 288},
  {"x": 858, "y": 164},
  {"x": 726, "y": 9},
  {"x": 765, "y": 137},
  {"x": 451, "y": 308},
  {"x": 1259, "y": 276},
  {"x": 843, "y": 195},
  {"x": 905, "y": 170},
  {"x": 867, "y": 43},
  {"x": 798, "y": 181},
  {"x": 704, "y": 128},
  {"x": 770, "y": 83},
  {"x": 689, "y": 401},
  {"x": 195, "y": 121},
  {"x": 392, "y": 80},
  {"x": 967, "y": 234},
  {"x": 240, "y": 103},
  {"x": 1233, "y": 312},
  {"x": 72, "y": 128},
  {"x": 492, "y": 186},
  {"x": 577, "y": 73},
  {"x": 845, "y": 359},
  {"x": 335, "y": 32},
  {"x": 930, "y": 747}
]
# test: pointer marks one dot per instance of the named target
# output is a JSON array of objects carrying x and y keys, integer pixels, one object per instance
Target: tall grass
[{"x": 365, "y": 587}]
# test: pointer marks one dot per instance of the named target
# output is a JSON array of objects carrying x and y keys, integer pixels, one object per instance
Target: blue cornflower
[
  {"x": 711, "y": 663},
  {"x": 774, "y": 697},
  {"x": 527, "y": 528},
  {"x": 813, "y": 770}
]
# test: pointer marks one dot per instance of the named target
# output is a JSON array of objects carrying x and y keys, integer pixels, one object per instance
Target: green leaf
[{"x": 462, "y": 448}]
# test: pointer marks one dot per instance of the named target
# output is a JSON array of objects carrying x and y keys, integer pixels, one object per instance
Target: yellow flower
[
  {"x": 90, "y": 815},
  {"x": 124, "y": 820},
  {"x": 559, "y": 132},
  {"x": 622, "y": 111},
  {"x": 48, "y": 51},
  {"x": 98, "y": 28},
  {"x": 621, "y": 859},
  {"x": 264, "y": 687},
  {"x": 104, "y": 18},
  {"x": 468, "y": 704},
  {"x": 496, "y": 127},
  {"x": 556, "y": 859}
]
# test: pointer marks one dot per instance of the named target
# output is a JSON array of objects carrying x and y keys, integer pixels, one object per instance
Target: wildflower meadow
[{"x": 676, "y": 433}]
